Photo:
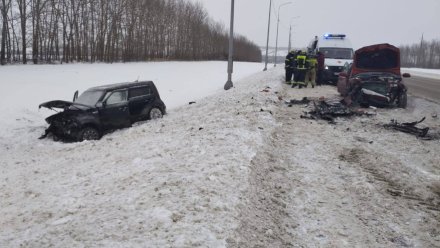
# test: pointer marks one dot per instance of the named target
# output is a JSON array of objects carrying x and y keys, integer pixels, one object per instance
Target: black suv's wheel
[
  {"x": 155, "y": 113},
  {"x": 89, "y": 133},
  {"x": 403, "y": 100}
]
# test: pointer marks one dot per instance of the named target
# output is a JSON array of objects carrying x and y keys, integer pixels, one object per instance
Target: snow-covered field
[
  {"x": 238, "y": 168},
  {"x": 428, "y": 73},
  {"x": 23, "y": 88}
]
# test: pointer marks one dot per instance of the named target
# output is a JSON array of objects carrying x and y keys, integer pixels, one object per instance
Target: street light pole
[
  {"x": 229, "y": 83},
  {"x": 290, "y": 32},
  {"x": 267, "y": 43},
  {"x": 278, "y": 24}
]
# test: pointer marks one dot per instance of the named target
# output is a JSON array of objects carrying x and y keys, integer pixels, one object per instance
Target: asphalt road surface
[{"x": 424, "y": 87}]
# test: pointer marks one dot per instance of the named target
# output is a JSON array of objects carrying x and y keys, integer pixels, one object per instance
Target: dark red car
[{"x": 374, "y": 78}]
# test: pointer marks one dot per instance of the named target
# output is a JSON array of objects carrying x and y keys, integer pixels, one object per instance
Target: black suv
[{"x": 102, "y": 109}]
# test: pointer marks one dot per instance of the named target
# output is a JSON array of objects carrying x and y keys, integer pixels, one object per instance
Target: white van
[{"x": 337, "y": 50}]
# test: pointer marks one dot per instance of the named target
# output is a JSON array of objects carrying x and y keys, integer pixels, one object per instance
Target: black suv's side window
[
  {"x": 139, "y": 92},
  {"x": 117, "y": 97}
]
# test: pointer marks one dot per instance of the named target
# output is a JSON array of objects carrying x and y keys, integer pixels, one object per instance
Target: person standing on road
[
  {"x": 301, "y": 68},
  {"x": 320, "y": 67},
  {"x": 311, "y": 72},
  {"x": 289, "y": 62}
]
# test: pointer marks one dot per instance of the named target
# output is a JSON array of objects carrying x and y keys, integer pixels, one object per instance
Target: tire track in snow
[{"x": 263, "y": 215}]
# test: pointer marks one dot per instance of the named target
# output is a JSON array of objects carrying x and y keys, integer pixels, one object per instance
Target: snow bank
[
  {"x": 173, "y": 182},
  {"x": 238, "y": 168},
  {"x": 24, "y": 87}
]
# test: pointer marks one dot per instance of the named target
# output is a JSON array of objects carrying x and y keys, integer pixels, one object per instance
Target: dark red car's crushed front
[{"x": 374, "y": 78}]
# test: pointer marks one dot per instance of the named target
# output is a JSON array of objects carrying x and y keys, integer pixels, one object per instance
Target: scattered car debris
[
  {"x": 262, "y": 110},
  {"x": 267, "y": 89},
  {"x": 305, "y": 100},
  {"x": 327, "y": 111},
  {"x": 409, "y": 127},
  {"x": 330, "y": 109},
  {"x": 364, "y": 140}
]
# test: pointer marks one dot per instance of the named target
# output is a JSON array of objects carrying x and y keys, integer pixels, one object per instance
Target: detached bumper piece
[{"x": 410, "y": 128}]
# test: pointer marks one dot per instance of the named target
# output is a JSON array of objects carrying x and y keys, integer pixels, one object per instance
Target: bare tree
[
  {"x": 115, "y": 30},
  {"x": 4, "y": 14},
  {"x": 426, "y": 54}
]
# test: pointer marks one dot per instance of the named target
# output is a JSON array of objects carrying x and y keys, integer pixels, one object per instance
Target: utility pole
[
  {"x": 267, "y": 43},
  {"x": 290, "y": 38},
  {"x": 290, "y": 33},
  {"x": 229, "y": 83},
  {"x": 278, "y": 25}
]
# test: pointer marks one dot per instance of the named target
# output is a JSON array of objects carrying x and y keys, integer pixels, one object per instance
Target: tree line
[
  {"x": 425, "y": 54},
  {"x": 49, "y": 31}
]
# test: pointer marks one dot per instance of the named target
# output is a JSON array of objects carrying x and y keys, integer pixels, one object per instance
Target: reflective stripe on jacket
[
  {"x": 301, "y": 62},
  {"x": 313, "y": 62}
]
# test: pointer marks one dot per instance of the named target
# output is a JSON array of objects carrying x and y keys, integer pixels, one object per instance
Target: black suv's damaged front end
[
  {"x": 67, "y": 124},
  {"x": 62, "y": 126},
  {"x": 102, "y": 109}
]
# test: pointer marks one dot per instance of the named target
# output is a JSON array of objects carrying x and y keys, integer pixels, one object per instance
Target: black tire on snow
[
  {"x": 403, "y": 100},
  {"x": 155, "y": 113},
  {"x": 89, "y": 133}
]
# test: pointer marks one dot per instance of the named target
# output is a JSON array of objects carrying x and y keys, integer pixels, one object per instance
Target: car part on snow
[
  {"x": 305, "y": 100},
  {"x": 270, "y": 112},
  {"x": 328, "y": 110},
  {"x": 409, "y": 127},
  {"x": 267, "y": 89}
]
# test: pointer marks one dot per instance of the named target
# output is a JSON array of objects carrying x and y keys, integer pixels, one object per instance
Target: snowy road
[
  {"x": 346, "y": 185},
  {"x": 428, "y": 88},
  {"x": 237, "y": 169}
]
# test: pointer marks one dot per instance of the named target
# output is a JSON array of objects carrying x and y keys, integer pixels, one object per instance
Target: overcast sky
[{"x": 365, "y": 22}]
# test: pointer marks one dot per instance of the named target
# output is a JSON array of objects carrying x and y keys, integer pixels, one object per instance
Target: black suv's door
[
  {"x": 140, "y": 100},
  {"x": 114, "y": 112}
]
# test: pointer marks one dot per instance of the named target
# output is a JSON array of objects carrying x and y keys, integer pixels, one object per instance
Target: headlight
[{"x": 326, "y": 67}]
